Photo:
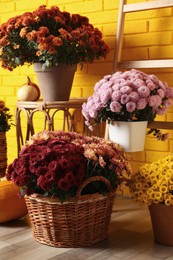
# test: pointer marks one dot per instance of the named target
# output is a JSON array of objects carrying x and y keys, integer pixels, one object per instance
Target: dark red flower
[
  {"x": 63, "y": 184},
  {"x": 44, "y": 183}
]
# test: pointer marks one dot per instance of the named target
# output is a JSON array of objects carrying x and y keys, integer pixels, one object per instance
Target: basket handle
[{"x": 92, "y": 179}]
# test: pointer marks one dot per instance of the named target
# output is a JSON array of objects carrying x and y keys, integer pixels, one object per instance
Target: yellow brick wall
[{"x": 147, "y": 35}]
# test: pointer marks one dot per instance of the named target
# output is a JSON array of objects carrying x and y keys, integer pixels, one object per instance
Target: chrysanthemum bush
[
  {"x": 56, "y": 163},
  {"x": 49, "y": 36},
  {"x": 128, "y": 96},
  {"x": 5, "y": 117},
  {"x": 154, "y": 183}
]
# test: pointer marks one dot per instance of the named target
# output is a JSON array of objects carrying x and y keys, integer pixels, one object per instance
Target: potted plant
[
  {"x": 5, "y": 124},
  {"x": 130, "y": 97},
  {"x": 69, "y": 180},
  {"x": 50, "y": 38},
  {"x": 152, "y": 185}
]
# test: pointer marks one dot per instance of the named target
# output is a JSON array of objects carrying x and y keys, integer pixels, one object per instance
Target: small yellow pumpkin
[
  {"x": 11, "y": 205},
  {"x": 29, "y": 91}
]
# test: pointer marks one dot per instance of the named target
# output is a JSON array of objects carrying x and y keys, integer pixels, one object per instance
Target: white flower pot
[{"x": 130, "y": 135}]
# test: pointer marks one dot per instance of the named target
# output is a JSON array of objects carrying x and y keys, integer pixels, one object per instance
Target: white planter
[{"x": 130, "y": 135}]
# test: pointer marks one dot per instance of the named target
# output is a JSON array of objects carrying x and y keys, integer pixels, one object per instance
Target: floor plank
[{"x": 130, "y": 238}]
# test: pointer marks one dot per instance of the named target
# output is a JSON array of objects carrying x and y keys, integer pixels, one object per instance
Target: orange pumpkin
[{"x": 11, "y": 205}]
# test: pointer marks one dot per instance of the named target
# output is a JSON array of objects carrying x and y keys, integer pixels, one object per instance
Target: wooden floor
[{"x": 130, "y": 238}]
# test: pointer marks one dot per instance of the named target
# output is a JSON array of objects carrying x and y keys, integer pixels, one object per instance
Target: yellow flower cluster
[{"x": 154, "y": 182}]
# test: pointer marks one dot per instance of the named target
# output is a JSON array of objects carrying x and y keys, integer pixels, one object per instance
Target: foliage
[
  {"x": 49, "y": 36},
  {"x": 5, "y": 117},
  {"x": 128, "y": 96},
  {"x": 56, "y": 163},
  {"x": 154, "y": 182}
]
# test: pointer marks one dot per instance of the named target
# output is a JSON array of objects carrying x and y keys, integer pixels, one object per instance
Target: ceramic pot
[
  {"x": 162, "y": 219},
  {"x": 55, "y": 82},
  {"x": 130, "y": 135}
]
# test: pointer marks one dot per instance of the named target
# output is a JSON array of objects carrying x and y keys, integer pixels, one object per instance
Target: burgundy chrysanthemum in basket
[{"x": 69, "y": 182}]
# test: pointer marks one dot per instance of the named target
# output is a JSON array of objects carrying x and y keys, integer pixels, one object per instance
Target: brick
[
  {"x": 110, "y": 29},
  {"x": 11, "y": 153},
  {"x": 12, "y": 132},
  {"x": 103, "y": 17},
  {"x": 110, "y": 41},
  {"x": 135, "y": 54},
  {"x": 23, "y": 5},
  {"x": 170, "y": 110},
  {"x": 171, "y": 145},
  {"x": 110, "y": 56},
  {"x": 166, "y": 77},
  {"x": 155, "y": 145},
  {"x": 152, "y": 156},
  {"x": 60, "y": 3},
  {"x": 133, "y": 27},
  {"x": 16, "y": 81},
  {"x": 111, "y": 4},
  {"x": 6, "y": 16},
  {"x": 7, "y": 7},
  {"x": 170, "y": 136},
  {"x": 136, "y": 165},
  {"x": 162, "y": 52},
  {"x": 161, "y": 24},
  {"x": 76, "y": 92},
  {"x": 163, "y": 74},
  {"x": 100, "y": 68},
  {"x": 85, "y": 7},
  {"x": 169, "y": 117},
  {"x": 11, "y": 101},
  {"x": 160, "y": 117},
  {"x": 135, "y": 1},
  {"x": 81, "y": 69},
  {"x": 85, "y": 80},
  {"x": 143, "y": 15},
  {"x": 8, "y": 91},
  {"x": 136, "y": 156},
  {"x": 148, "y": 39},
  {"x": 88, "y": 91},
  {"x": 27, "y": 70},
  {"x": 5, "y": 72}
]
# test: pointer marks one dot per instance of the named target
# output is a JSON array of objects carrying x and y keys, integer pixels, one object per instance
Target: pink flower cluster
[
  {"x": 56, "y": 163},
  {"x": 127, "y": 96}
]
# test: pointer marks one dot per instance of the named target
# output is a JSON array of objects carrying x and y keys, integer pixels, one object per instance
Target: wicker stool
[{"x": 3, "y": 154}]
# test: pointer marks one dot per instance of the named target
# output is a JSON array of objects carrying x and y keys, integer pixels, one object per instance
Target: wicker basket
[
  {"x": 82, "y": 221},
  {"x": 3, "y": 154}
]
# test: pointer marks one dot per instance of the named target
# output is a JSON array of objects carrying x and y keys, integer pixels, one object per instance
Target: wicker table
[{"x": 69, "y": 109}]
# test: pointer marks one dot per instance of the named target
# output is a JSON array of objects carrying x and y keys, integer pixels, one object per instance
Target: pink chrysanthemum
[{"x": 127, "y": 96}]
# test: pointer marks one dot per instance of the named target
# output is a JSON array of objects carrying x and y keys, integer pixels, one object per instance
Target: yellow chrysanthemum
[
  {"x": 151, "y": 195},
  {"x": 154, "y": 182},
  {"x": 158, "y": 195},
  {"x": 138, "y": 185},
  {"x": 168, "y": 202},
  {"x": 163, "y": 189},
  {"x": 171, "y": 187},
  {"x": 171, "y": 180},
  {"x": 145, "y": 186}
]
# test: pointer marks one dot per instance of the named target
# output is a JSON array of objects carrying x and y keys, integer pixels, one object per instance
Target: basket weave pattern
[
  {"x": 3, "y": 154},
  {"x": 81, "y": 221}
]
